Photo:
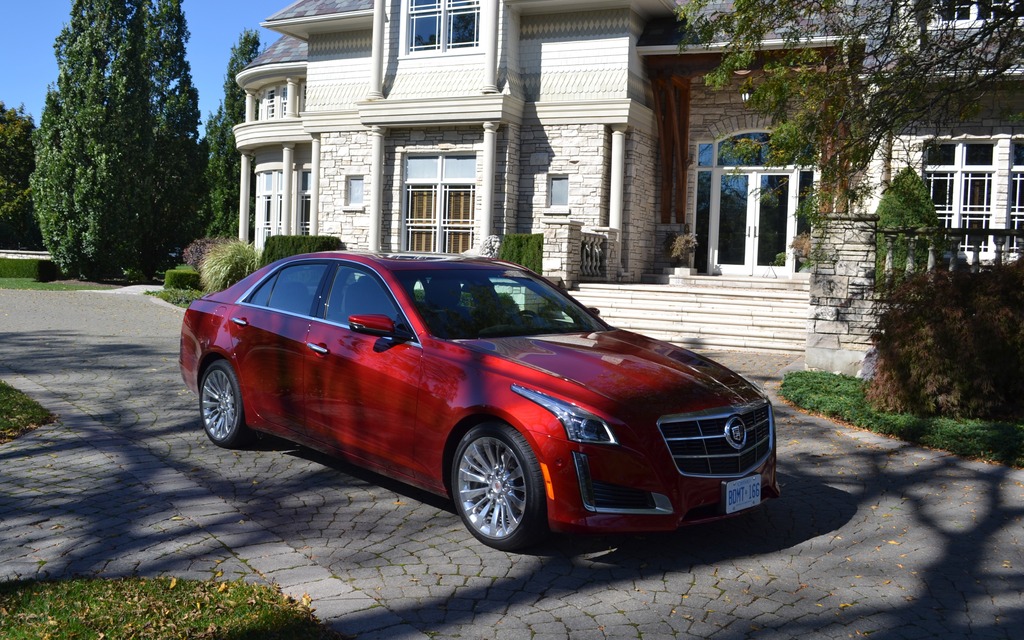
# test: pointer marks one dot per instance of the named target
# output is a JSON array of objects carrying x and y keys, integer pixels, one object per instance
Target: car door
[
  {"x": 270, "y": 329},
  {"x": 362, "y": 390}
]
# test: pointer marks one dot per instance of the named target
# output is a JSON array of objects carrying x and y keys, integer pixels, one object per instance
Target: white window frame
[
  {"x": 355, "y": 191},
  {"x": 440, "y": 222},
  {"x": 268, "y": 205},
  {"x": 967, "y": 12},
  {"x": 969, "y": 190},
  {"x": 305, "y": 201},
  {"x": 444, "y": 11},
  {"x": 1015, "y": 212}
]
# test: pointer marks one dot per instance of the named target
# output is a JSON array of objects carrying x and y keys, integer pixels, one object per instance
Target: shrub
[
  {"x": 278, "y": 247},
  {"x": 38, "y": 270},
  {"x": 906, "y": 203},
  {"x": 227, "y": 263},
  {"x": 197, "y": 249},
  {"x": 182, "y": 279},
  {"x": 952, "y": 344},
  {"x": 526, "y": 249}
]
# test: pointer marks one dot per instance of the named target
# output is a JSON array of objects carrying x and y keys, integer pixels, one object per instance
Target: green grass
[
  {"x": 842, "y": 397},
  {"x": 28, "y": 283},
  {"x": 19, "y": 413},
  {"x": 154, "y": 609}
]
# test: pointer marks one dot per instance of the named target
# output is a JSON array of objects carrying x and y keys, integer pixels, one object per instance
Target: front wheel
[
  {"x": 220, "y": 405},
  {"x": 498, "y": 487}
]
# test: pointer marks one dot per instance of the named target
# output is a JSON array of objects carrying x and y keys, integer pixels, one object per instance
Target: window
[
  {"x": 354, "y": 191},
  {"x": 971, "y": 10},
  {"x": 1017, "y": 192},
  {"x": 960, "y": 179},
  {"x": 440, "y": 198},
  {"x": 355, "y": 292},
  {"x": 443, "y": 25},
  {"x": 293, "y": 289},
  {"x": 305, "y": 202},
  {"x": 269, "y": 104},
  {"x": 558, "y": 194},
  {"x": 268, "y": 205}
]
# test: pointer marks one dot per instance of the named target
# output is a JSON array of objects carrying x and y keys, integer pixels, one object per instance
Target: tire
[
  {"x": 220, "y": 407},
  {"x": 498, "y": 488}
]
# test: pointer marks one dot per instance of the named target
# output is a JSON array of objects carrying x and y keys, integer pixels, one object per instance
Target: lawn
[
  {"x": 842, "y": 398},
  {"x": 29, "y": 283}
]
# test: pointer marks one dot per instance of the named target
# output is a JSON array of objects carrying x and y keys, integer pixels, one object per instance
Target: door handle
[
  {"x": 242, "y": 322},
  {"x": 318, "y": 348}
]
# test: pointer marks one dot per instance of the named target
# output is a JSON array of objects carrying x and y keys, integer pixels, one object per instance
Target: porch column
[
  {"x": 489, "y": 40},
  {"x": 615, "y": 194},
  {"x": 314, "y": 189},
  {"x": 377, "y": 188},
  {"x": 244, "y": 181},
  {"x": 291, "y": 108},
  {"x": 287, "y": 167},
  {"x": 487, "y": 201},
  {"x": 250, "y": 106},
  {"x": 377, "y": 52}
]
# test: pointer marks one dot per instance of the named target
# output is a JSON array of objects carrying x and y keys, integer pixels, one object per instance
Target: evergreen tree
[
  {"x": 18, "y": 228},
  {"x": 178, "y": 160},
  {"x": 222, "y": 173},
  {"x": 91, "y": 184}
]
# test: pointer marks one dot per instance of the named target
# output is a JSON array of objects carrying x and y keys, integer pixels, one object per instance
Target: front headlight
[{"x": 580, "y": 425}]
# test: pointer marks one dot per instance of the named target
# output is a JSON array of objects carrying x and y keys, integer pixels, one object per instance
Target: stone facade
[{"x": 843, "y": 311}]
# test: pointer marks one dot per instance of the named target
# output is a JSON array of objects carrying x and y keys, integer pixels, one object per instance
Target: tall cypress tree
[
  {"x": 224, "y": 167},
  {"x": 90, "y": 184},
  {"x": 178, "y": 160}
]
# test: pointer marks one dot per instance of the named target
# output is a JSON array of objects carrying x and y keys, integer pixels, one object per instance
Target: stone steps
[{"x": 708, "y": 312}]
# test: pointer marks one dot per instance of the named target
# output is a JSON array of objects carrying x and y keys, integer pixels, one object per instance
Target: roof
[
  {"x": 665, "y": 31},
  {"x": 286, "y": 49},
  {"x": 313, "y": 8}
]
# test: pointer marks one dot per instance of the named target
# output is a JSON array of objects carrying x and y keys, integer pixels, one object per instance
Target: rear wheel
[
  {"x": 498, "y": 487},
  {"x": 220, "y": 405}
]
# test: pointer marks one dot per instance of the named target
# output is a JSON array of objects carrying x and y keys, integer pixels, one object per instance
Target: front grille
[{"x": 699, "y": 446}]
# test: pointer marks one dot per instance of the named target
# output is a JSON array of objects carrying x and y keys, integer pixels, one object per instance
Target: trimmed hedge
[
  {"x": 526, "y": 249},
  {"x": 278, "y": 247},
  {"x": 38, "y": 270},
  {"x": 182, "y": 279}
]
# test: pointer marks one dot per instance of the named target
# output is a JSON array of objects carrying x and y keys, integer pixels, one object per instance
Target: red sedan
[{"x": 481, "y": 381}]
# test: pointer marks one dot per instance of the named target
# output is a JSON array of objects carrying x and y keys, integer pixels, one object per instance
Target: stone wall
[{"x": 843, "y": 311}]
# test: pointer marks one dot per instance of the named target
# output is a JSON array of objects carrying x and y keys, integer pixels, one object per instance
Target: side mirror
[{"x": 373, "y": 324}]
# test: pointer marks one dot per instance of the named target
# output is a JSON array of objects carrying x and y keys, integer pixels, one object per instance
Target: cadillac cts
[{"x": 481, "y": 381}]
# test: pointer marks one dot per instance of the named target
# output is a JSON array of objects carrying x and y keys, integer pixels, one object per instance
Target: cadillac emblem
[{"x": 736, "y": 432}]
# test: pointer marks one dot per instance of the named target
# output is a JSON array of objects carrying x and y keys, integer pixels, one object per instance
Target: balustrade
[
  {"x": 593, "y": 257},
  {"x": 955, "y": 248}
]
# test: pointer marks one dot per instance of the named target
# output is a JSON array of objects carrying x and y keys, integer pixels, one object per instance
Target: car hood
[{"x": 628, "y": 368}]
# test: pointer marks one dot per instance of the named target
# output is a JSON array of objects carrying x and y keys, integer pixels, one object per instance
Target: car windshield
[{"x": 483, "y": 303}]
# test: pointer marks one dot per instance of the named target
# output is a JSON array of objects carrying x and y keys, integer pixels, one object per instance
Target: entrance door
[{"x": 754, "y": 210}]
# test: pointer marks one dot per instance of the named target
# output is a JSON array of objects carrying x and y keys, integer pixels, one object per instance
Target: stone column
[
  {"x": 377, "y": 53},
  {"x": 250, "y": 106},
  {"x": 376, "y": 187},
  {"x": 291, "y": 108},
  {"x": 487, "y": 201},
  {"x": 563, "y": 243},
  {"x": 244, "y": 188},
  {"x": 489, "y": 40},
  {"x": 615, "y": 193},
  {"x": 314, "y": 188},
  {"x": 287, "y": 169},
  {"x": 843, "y": 312}
]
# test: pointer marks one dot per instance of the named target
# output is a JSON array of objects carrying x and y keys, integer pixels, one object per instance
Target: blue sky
[{"x": 28, "y": 29}]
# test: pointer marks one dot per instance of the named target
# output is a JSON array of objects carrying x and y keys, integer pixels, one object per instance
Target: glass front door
[{"x": 754, "y": 212}]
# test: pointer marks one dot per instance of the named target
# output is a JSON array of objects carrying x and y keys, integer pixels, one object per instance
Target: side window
[
  {"x": 292, "y": 289},
  {"x": 355, "y": 292}
]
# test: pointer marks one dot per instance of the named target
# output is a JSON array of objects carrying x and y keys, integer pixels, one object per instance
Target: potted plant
[{"x": 680, "y": 247}]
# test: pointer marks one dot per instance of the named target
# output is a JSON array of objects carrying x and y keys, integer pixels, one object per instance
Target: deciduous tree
[{"x": 18, "y": 228}]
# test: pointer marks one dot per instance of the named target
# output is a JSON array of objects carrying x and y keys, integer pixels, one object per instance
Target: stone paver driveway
[{"x": 872, "y": 537}]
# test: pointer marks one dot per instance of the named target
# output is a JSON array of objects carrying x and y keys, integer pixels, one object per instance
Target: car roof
[{"x": 412, "y": 261}]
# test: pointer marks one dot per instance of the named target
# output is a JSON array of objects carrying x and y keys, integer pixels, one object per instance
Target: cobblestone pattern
[{"x": 871, "y": 536}]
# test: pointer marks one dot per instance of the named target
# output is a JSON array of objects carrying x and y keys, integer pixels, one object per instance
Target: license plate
[{"x": 741, "y": 494}]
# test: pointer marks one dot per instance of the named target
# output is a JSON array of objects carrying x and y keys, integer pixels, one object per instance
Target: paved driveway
[{"x": 871, "y": 537}]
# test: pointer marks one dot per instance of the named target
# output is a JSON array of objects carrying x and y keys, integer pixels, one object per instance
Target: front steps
[{"x": 708, "y": 312}]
